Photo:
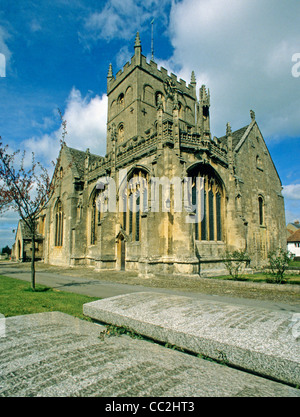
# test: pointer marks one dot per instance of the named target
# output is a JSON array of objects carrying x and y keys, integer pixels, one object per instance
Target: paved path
[
  {"x": 56, "y": 355},
  {"x": 68, "y": 358},
  {"x": 104, "y": 289}
]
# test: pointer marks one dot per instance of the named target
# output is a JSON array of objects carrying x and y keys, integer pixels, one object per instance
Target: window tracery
[{"x": 209, "y": 222}]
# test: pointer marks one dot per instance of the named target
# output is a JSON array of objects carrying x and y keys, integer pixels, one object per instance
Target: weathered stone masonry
[{"x": 157, "y": 127}]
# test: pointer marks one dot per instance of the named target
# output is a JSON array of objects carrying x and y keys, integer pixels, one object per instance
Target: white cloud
[
  {"x": 123, "y": 56},
  {"x": 120, "y": 19},
  {"x": 86, "y": 119},
  {"x": 246, "y": 48},
  {"x": 86, "y": 127},
  {"x": 5, "y": 53},
  {"x": 35, "y": 26},
  {"x": 291, "y": 216},
  {"x": 291, "y": 191},
  {"x": 45, "y": 148},
  {"x": 86, "y": 122}
]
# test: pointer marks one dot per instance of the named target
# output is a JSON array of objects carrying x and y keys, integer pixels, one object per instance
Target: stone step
[
  {"x": 254, "y": 339},
  {"x": 56, "y": 355}
]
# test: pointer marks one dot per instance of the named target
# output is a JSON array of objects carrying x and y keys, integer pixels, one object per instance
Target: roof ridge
[
  {"x": 295, "y": 237},
  {"x": 235, "y": 131}
]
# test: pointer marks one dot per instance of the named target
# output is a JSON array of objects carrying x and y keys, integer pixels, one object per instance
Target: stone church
[{"x": 119, "y": 211}]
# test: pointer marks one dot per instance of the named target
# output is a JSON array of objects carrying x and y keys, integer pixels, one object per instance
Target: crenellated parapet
[{"x": 139, "y": 60}]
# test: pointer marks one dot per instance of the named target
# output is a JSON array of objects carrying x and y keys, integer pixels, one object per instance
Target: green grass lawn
[
  {"x": 295, "y": 264},
  {"x": 17, "y": 298},
  {"x": 261, "y": 277}
]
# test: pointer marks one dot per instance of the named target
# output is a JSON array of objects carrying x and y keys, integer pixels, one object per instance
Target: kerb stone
[{"x": 258, "y": 340}]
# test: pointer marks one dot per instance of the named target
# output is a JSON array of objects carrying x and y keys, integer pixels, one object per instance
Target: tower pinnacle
[
  {"x": 110, "y": 72},
  {"x": 193, "y": 78},
  {"x": 137, "y": 43},
  {"x": 138, "y": 49}
]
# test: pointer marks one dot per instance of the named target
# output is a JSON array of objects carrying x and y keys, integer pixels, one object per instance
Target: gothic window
[
  {"x": 99, "y": 203},
  {"x": 59, "y": 224},
  {"x": 121, "y": 101},
  {"x": 135, "y": 203},
  {"x": 128, "y": 96},
  {"x": 211, "y": 214},
  {"x": 137, "y": 220},
  {"x": 259, "y": 163},
  {"x": 113, "y": 108},
  {"x": 189, "y": 115},
  {"x": 180, "y": 111},
  {"x": 130, "y": 215},
  {"x": 93, "y": 223},
  {"x": 194, "y": 203},
  {"x": 219, "y": 214},
  {"x": 208, "y": 201},
  {"x": 148, "y": 94},
  {"x": 205, "y": 110},
  {"x": 261, "y": 210},
  {"x": 204, "y": 217},
  {"x": 121, "y": 133}
]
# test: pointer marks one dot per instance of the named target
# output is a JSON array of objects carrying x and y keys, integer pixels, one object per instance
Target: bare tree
[{"x": 26, "y": 190}]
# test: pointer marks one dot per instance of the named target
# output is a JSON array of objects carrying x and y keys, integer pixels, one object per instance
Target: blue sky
[{"x": 57, "y": 55}]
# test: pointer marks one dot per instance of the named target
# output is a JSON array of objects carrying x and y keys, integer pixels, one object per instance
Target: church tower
[
  {"x": 137, "y": 91},
  {"x": 166, "y": 197}
]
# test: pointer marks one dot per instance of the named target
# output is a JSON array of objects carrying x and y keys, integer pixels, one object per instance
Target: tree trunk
[{"x": 33, "y": 264}]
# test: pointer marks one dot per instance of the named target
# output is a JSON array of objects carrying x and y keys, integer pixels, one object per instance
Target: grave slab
[
  {"x": 258, "y": 340},
  {"x": 56, "y": 355}
]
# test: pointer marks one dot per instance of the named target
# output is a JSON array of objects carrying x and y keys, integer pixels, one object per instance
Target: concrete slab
[
  {"x": 259, "y": 340},
  {"x": 56, "y": 355}
]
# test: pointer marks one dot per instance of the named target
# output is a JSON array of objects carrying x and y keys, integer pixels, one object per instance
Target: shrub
[
  {"x": 279, "y": 260},
  {"x": 235, "y": 263}
]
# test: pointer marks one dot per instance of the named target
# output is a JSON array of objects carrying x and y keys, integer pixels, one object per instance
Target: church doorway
[{"x": 121, "y": 253}]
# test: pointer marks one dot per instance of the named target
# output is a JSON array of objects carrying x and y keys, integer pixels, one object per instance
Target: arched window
[
  {"x": 99, "y": 206},
  {"x": 128, "y": 96},
  {"x": 189, "y": 115},
  {"x": 113, "y": 108},
  {"x": 59, "y": 224},
  {"x": 148, "y": 94},
  {"x": 261, "y": 210},
  {"x": 208, "y": 202},
  {"x": 135, "y": 203},
  {"x": 259, "y": 163},
  {"x": 121, "y": 133},
  {"x": 121, "y": 101},
  {"x": 180, "y": 111}
]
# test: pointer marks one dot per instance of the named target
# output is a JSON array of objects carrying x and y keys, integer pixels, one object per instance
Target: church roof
[
  {"x": 296, "y": 225},
  {"x": 295, "y": 237},
  {"x": 25, "y": 232},
  {"x": 78, "y": 160},
  {"x": 236, "y": 136}
]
